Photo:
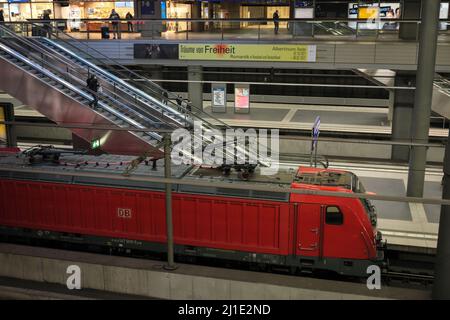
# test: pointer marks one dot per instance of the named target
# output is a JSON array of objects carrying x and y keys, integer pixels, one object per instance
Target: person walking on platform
[
  {"x": 276, "y": 21},
  {"x": 93, "y": 85},
  {"x": 129, "y": 17},
  {"x": 115, "y": 20},
  {"x": 179, "y": 103},
  {"x": 47, "y": 23},
  {"x": 165, "y": 97}
]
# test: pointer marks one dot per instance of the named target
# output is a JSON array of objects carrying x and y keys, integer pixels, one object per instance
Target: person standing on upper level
[
  {"x": 47, "y": 23},
  {"x": 115, "y": 20},
  {"x": 276, "y": 21},
  {"x": 129, "y": 18}
]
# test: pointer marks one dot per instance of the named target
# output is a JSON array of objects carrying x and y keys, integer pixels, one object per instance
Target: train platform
[
  {"x": 297, "y": 117},
  {"x": 147, "y": 278},
  {"x": 349, "y": 119}
]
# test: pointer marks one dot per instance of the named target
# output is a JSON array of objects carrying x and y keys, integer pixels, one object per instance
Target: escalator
[
  {"x": 441, "y": 97},
  {"x": 138, "y": 103},
  {"x": 57, "y": 90}
]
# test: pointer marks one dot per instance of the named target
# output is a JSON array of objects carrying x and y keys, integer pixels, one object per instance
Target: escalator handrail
[
  {"x": 113, "y": 78},
  {"x": 146, "y": 80},
  {"x": 209, "y": 125}
]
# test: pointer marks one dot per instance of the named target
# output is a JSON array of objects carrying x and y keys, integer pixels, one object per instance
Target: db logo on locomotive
[{"x": 124, "y": 213}]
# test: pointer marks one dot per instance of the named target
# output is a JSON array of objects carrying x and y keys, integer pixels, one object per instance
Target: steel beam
[
  {"x": 169, "y": 222},
  {"x": 424, "y": 95},
  {"x": 441, "y": 289}
]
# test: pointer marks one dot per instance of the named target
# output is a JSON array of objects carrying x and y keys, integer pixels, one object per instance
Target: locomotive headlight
[{"x": 373, "y": 216}]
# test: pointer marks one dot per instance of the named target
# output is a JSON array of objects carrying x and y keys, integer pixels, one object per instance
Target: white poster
[
  {"x": 219, "y": 97},
  {"x": 304, "y": 13}
]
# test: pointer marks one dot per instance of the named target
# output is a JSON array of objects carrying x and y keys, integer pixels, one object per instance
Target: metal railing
[{"x": 244, "y": 29}]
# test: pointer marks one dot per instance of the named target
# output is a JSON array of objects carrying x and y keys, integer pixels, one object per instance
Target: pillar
[
  {"x": 403, "y": 113},
  {"x": 292, "y": 9},
  {"x": 210, "y": 15},
  {"x": 410, "y": 11},
  {"x": 424, "y": 96},
  {"x": 149, "y": 10},
  {"x": 195, "y": 89},
  {"x": 233, "y": 11},
  {"x": 197, "y": 14},
  {"x": 441, "y": 288}
]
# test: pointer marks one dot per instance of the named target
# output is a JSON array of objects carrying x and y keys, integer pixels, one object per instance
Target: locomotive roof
[
  {"x": 71, "y": 165},
  {"x": 110, "y": 164},
  {"x": 328, "y": 178}
]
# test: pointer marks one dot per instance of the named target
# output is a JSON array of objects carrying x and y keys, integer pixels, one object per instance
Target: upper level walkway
[
  {"x": 247, "y": 29},
  {"x": 345, "y": 44}
]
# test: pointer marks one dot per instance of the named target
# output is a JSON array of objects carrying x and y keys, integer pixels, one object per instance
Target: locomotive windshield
[
  {"x": 342, "y": 179},
  {"x": 367, "y": 204}
]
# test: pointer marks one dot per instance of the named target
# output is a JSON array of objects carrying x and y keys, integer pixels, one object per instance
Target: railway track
[{"x": 394, "y": 278}]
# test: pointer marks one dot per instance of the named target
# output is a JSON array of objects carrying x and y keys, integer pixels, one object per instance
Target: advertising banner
[
  {"x": 248, "y": 52},
  {"x": 242, "y": 98},
  {"x": 219, "y": 97},
  {"x": 155, "y": 51}
]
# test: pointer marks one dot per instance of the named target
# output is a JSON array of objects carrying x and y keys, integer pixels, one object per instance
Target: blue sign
[
  {"x": 163, "y": 10},
  {"x": 316, "y": 128},
  {"x": 316, "y": 132},
  {"x": 148, "y": 7}
]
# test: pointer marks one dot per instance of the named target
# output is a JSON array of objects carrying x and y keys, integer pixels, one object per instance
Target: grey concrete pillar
[
  {"x": 402, "y": 114},
  {"x": 424, "y": 95},
  {"x": 195, "y": 89},
  {"x": 149, "y": 10},
  {"x": 233, "y": 9},
  {"x": 169, "y": 219},
  {"x": 410, "y": 10},
  {"x": 292, "y": 9},
  {"x": 197, "y": 14},
  {"x": 441, "y": 288},
  {"x": 210, "y": 15}
]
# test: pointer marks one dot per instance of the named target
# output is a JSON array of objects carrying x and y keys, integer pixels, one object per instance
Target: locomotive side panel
[
  {"x": 206, "y": 221},
  {"x": 233, "y": 224}
]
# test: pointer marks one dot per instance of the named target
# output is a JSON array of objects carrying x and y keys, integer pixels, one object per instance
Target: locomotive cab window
[{"x": 334, "y": 216}]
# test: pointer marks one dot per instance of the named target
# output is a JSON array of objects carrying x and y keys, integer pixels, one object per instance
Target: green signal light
[{"x": 95, "y": 144}]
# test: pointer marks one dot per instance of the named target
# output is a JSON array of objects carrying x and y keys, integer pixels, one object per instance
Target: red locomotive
[{"x": 302, "y": 232}]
